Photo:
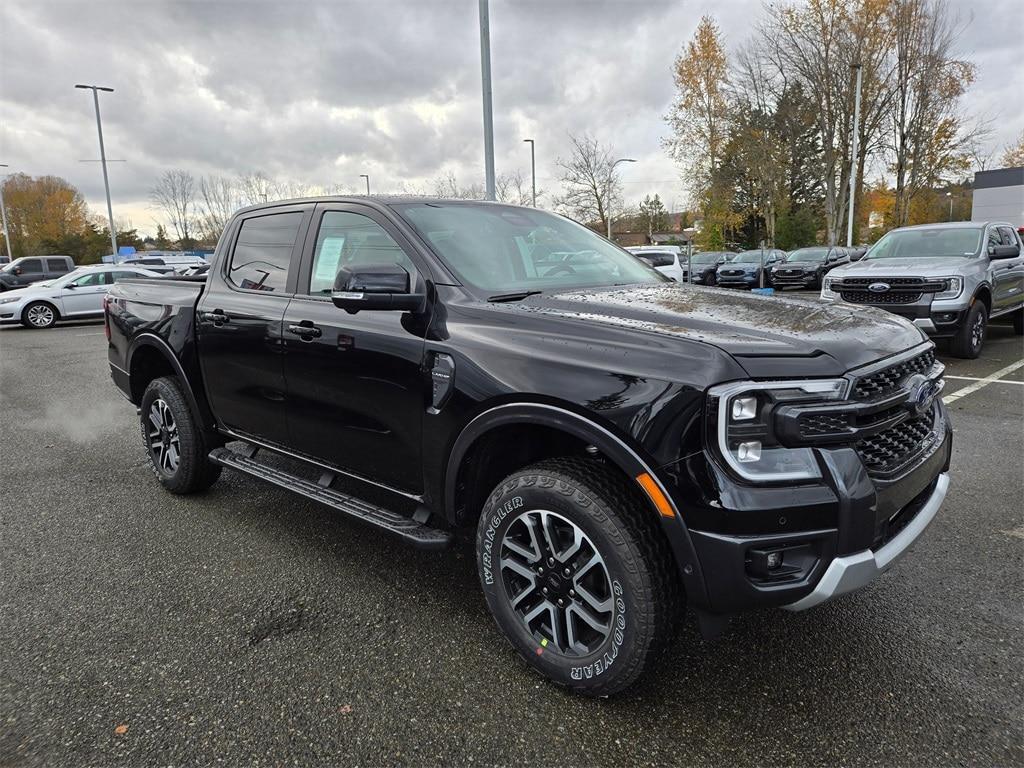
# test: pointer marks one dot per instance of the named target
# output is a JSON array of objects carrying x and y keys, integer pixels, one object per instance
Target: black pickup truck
[{"x": 623, "y": 445}]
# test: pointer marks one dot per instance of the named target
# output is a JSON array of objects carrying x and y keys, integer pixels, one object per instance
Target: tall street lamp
[
  {"x": 103, "y": 159},
  {"x": 853, "y": 155},
  {"x": 533, "y": 171},
  {"x": 608, "y": 191},
  {"x": 3, "y": 215},
  {"x": 485, "y": 79},
  {"x": 367, "y": 177},
  {"x": 950, "y": 196}
]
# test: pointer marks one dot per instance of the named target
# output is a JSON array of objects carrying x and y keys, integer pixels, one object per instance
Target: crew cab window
[
  {"x": 349, "y": 239},
  {"x": 1009, "y": 236},
  {"x": 263, "y": 251},
  {"x": 57, "y": 265},
  {"x": 122, "y": 274},
  {"x": 994, "y": 239},
  {"x": 31, "y": 266}
]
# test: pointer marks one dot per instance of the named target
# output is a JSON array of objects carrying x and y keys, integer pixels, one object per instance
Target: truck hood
[
  {"x": 919, "y": 266},
  {"x": 760, "y": 332}
]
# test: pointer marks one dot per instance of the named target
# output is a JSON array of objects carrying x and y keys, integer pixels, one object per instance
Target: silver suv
[{"x": 948, "y": 279}]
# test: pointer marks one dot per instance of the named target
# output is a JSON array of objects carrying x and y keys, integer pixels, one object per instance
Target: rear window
[
  {"x": 57, "y": 265},
  {"x": 263, "y": 251}
]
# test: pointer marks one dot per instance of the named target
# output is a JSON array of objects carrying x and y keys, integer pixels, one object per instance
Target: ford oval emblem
[{"x": 878, "y": 287}]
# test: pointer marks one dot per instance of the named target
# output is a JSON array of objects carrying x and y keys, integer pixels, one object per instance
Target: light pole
[
  {"x": 103, "y": 159},
  {"x": 853, "y": 155},
  {"x": 950, "y": 196},
  {"x": 608, "y": 191},
  {"x": 485, "y": 77},
  {"x": 367, "y": 177},
  {"x": 533, "y": 171},
  {"x": 3, "y": 215}
]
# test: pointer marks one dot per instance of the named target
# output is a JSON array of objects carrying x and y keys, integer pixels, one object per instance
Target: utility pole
[
  {"x": 608, "y": 191},
  {"x": 853, "y": 155},
  {"x": 103, "y": 160},
  {"x": 533, "y": 171},
  {"x": 367, "y": 177},
  {"x": 485, "y": 76},
  {"x": 3, "y": 215},
  {"x": 950, "y": 196}
]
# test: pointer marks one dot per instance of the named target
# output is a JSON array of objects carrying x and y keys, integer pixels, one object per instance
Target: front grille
[
  {"x": 813, "y": 425},
  {"x": 899, "y": 283},
  {"x": 731, "y": 272},
  {"x": 866, "y": 297},
  {"x": 897, "y": 445},
  {"x": 888, "y": 380}
]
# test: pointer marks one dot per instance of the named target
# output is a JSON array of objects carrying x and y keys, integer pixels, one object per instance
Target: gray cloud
[{"x": 321, "y": 92}]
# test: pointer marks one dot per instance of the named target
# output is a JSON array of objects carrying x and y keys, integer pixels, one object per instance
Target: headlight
[
  {"x": 744, "y": 432},
  {"x": 826, "y": 290},
  {"x": 954, "y": 287},
  {"x": 10, "y": 300}
]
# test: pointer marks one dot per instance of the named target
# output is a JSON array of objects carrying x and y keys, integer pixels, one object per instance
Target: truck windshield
[
  {"x": 940, "y": 241},
  {"x": 504, "y": 249}
]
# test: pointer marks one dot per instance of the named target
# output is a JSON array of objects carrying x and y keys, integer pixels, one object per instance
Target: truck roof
[
  {"x": 957, "y": 225},
  {"x": 383, "y": 200}
]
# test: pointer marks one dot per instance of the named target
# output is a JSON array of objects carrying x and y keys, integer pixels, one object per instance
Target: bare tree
[
  {"x": 930, "y": 135},
  {"x": 175, "y": 195},
  {"x": 218, "y": 201},
  {"x": 255, "y": 188},
  {"x": 589, "y": 181}
]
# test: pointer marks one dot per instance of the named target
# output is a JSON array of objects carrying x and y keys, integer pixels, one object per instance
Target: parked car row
[{"x": 74, "y": 295}]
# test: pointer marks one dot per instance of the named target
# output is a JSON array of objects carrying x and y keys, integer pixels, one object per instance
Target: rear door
[
  {"x": 56, "y": 267},
  {"x": 239, "y": 319},
  {"x": 356, "y": 386}
]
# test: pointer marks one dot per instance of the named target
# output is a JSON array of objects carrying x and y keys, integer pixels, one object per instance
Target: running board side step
[{"x": 412, "y": 531}]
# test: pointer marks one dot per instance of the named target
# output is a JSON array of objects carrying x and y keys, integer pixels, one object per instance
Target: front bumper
[
  {"x": 851, "y": 572},
  {"x": 739, "y": 281},
  {"x": 835, "y": 535},
  {"x": 795, "y": 281}
]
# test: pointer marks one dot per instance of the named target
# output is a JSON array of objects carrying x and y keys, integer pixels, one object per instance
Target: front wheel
[
  {"x": 177, "y": 447},
  {"x": 576, "y": 574},
  {"x": 39, "y": 314},
  {"x": 970, "y": 338}
]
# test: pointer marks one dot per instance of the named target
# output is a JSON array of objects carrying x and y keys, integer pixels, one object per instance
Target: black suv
[{"x": 622, "y": 445}]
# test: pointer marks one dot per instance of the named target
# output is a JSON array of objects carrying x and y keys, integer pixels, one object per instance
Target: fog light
[
  {"x": 744, "y": 408},
  {"x": 748, "y": 452},
  {"x": 774, "y": 560}
]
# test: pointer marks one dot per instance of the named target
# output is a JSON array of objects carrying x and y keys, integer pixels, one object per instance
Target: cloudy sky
[{"x": 322, "y": 92}]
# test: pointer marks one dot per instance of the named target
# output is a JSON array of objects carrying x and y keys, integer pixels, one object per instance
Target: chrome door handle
[
  {"x": 305, "y": 331},
  {"x": 217, "y": 317}
]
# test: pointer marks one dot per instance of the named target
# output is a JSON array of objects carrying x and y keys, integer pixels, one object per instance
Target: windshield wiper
[{"x": 498, "y": 297}]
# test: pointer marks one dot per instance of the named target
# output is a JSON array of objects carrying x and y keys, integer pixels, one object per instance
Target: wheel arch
[
  {"x": 586, "y": 432},
  {"x": 984, "y": 294},
  {"x": 150, "y": 357}
]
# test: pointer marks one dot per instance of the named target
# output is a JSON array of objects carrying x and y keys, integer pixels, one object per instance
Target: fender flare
[
  {"x": 199, "y": 410},
  {"x": 609, "y": 444}
]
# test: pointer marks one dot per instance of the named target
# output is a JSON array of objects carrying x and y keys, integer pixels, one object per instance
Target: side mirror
[
  {"x": 858, "y": 255},
  {"x": 70, "y": 286},
  {"x": 374, "y": 286},
  {"x": 17, "y": 270},
  {"x": 1004, "y": 251}
]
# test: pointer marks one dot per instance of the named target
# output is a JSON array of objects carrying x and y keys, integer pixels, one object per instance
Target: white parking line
[
  {"x": 983, "y": 382},
  {"x": 100, "y": 333},
  {"x": 975, "y": 378}
]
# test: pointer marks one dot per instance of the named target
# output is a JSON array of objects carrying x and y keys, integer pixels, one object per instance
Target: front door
[
  {"x": 1007, "y": 275},
  {"x": 84, "y": 295},
  {"x": 356, "y": 391},
  {"x": 239, "y": 323}
]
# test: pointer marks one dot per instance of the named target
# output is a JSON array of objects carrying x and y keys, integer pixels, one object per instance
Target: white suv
[{"x": 667, "y": 259}]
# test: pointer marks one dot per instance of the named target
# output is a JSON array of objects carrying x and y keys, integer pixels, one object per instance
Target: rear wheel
[
  {"x": 576, "y": 574},
  {"x": 970, "y": 338},
  {"x": 177, "y": 447},
  {"x": 39, "y": 314},
  {"x": 1018, "y": 322}
]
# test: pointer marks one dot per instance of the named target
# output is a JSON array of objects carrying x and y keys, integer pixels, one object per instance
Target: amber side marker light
[{"x": 655, "y": 494}]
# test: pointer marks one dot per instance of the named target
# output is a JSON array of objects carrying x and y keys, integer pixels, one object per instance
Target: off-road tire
[
  {"x": 193, "y": 471},
  {"x": 623, "y": 529},
  {"x": 970, "y": 337},
  {"x": 39, "y": 309}
]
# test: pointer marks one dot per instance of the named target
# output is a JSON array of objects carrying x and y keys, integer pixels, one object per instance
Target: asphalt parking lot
[{"x": 249, "y": 626}]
